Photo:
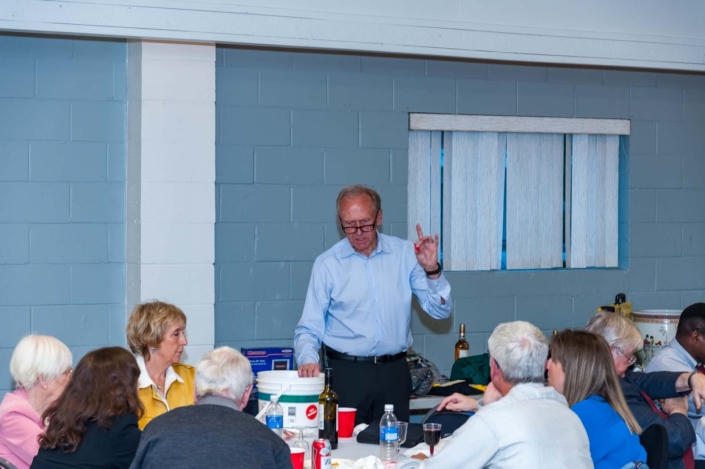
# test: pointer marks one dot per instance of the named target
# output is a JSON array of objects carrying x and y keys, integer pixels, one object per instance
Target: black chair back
[
  {"x": 5, "y": 464},
  {"x": 655, "y": 441}
]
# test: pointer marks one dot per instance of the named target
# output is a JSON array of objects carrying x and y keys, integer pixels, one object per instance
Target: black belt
[{"x": 381, "y": 359}]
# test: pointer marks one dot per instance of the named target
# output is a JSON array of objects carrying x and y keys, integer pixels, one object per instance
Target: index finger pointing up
[{"x": 418, "y": 231}]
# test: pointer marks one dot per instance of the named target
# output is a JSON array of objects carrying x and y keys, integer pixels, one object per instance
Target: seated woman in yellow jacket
[{"x": 156, "y": 334}]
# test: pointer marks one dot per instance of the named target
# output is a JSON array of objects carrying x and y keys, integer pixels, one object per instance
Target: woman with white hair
[{"x": 41, "y": 368}]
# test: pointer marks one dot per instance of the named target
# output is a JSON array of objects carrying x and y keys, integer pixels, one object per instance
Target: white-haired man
[
  {"x": 214, "y": 433},
  {"x": 520, "y": 423}
]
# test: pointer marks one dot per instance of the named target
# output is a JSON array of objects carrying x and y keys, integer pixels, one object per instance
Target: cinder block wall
[
  {"x": 62, "y": 209},
  {"x": 295, "y": 127}
]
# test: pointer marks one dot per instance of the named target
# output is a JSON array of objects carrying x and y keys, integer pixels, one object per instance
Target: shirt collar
[
  {"x": 210, "y": 399},
  {"x": 346, "y": 249},
  {"x": 145, "y": 381},
  {"x": 682, "y": 352}
]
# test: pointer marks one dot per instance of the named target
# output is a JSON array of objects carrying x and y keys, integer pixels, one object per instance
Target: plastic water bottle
[
  {"x": 275, "y": 417},
  {"x": 388, "y": 436}
]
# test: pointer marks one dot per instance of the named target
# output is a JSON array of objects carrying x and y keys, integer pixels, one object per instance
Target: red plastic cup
[
  {"x": 297, "y": 457},
  {"x": 346, "y": 421}
]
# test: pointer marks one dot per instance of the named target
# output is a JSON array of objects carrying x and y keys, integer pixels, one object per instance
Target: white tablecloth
[{"x": 349, "y": 448}]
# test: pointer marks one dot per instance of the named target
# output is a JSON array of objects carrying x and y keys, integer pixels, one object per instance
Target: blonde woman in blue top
[{"x": 581, "y": 368}]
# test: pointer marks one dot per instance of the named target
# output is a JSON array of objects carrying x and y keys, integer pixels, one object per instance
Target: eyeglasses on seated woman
[
  {"x": 93, "y": 424},
  {"x": 581, "y": 368}
]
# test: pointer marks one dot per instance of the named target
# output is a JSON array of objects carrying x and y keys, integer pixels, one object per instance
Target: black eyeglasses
[{"x": 363, "y": 228}]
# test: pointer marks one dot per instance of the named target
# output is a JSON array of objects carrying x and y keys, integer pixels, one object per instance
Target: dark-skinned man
[
  {"x": 686, "y": 353},
  {"x": 358, "y": 307}
]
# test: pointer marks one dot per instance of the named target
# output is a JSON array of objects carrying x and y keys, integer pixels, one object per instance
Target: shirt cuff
[
  {"x": 307, "y": 359},
  {"x": 439, "y": 285}
]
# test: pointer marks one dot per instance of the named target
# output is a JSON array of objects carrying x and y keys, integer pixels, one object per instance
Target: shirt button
[{"x": 375, "y": 300}]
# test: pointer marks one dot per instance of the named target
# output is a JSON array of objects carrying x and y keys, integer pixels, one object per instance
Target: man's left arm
[
  {"x": 659, "y": 384},
  {"x": 666, "y": 384},
  {"x": 433, "y": 294},
  {"x": 432, "y": 290}
]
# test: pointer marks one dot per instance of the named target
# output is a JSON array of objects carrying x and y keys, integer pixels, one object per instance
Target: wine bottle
[
  {"x": 328, "y": 412},
  {"x": 462, "y": 348}
]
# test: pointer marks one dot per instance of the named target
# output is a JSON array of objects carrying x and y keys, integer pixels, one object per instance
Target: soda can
[{"x": 320, "y": 454}]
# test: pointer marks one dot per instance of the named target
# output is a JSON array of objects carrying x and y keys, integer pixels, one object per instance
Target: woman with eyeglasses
[
  {"x": 41, "y": 368},
  {"x": 93, "y": 424},
  {"x": 642, "y": 389},
  {"x": 581, "y": 368}
]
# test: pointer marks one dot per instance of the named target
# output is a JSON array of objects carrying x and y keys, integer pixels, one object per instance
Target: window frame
[{"x": 437, "y": 123}]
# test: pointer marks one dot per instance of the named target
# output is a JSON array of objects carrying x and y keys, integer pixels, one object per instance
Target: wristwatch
[
  {"x": 435, "y": 271},
  {"x": 690, "y": 385}
]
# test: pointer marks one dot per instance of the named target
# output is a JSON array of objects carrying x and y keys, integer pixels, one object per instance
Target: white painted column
[{"x": 171, "y": 182}]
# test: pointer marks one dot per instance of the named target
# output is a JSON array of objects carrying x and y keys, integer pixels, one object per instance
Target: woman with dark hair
[
  {"x": 94, "y": 422},
  {"x": 581, "y": 368}
]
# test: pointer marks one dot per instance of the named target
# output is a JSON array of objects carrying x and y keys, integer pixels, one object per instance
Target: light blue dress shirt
[
  {"x": 673, "y": 357},
  {"x": 362, "y": 305}
]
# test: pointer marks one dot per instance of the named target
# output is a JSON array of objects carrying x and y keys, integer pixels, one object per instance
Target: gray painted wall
[
  {"x": 295, "y": 127},
  {"x": 62, "y": 192}
]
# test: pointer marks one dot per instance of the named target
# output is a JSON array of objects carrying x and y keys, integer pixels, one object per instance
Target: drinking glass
[
  {"x": 301, "y": 443},
  {"x": 431, "y": 434},
  {"x": 403, "y": 426}
]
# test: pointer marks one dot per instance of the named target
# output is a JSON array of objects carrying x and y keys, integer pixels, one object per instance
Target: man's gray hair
[
  {"x": 617, "y": 330},
  {"x": 520, "y": 349},
  {"x": 357, "y": 190},
  {"x": 223, "y": 370}
]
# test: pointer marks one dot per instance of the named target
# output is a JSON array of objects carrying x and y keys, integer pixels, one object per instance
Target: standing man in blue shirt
[{"x": 358, "y": 307}]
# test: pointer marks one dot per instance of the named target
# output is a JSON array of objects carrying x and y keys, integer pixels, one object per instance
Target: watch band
[
  {"x": 690, "y": 378},
  {"x": 433, "y": 272}
]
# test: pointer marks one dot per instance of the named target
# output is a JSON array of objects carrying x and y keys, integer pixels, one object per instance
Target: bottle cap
[
  {"x": 274, "y": 399},
  {"x": 462, "y": 328},
  {"x": 389, "y": 407}
]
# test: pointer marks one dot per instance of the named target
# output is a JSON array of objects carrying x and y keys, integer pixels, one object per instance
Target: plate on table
[{"x": 335, "y": 462}]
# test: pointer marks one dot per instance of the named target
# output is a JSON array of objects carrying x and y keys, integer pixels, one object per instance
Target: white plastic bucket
[{"x": 300, "y": 401}]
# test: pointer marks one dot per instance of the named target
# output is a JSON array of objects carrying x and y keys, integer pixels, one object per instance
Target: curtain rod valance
[{"x": 514, "y": 124}]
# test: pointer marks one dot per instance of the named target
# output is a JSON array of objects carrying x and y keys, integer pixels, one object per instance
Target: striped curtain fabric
[
  {"x": 424, "y": 186},
  {"x": 534, "y": 237},
  {"x": 551, "y": 196},
  {"x": 473, "y": 200},
  {"x": 594, "y": 201}
]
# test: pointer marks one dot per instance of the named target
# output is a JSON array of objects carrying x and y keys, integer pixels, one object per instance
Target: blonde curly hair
[{"x": 148, "y": 324}]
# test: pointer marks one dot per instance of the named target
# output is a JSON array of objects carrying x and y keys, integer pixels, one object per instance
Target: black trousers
[{"x": 368, "y": 386}]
